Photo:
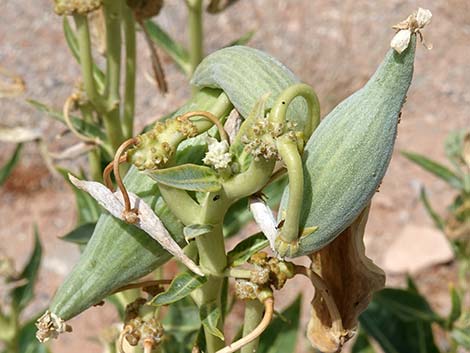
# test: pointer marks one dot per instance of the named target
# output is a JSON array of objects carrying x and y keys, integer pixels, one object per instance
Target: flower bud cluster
[
  {"x": 139, "y": 327},
  {"x": 153, "y": 149},
  {"x": 260, "y": 140},
  {"x": 269, "y": 273},
  {"x": 70, "y": 7}
]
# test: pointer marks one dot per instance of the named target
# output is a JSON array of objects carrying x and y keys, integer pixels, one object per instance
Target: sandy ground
[{"x": 333, "y": 45}]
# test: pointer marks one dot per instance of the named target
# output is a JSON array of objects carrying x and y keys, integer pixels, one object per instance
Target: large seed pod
[
  {"x": 119, "y": 253},
  {"x": 245, "y": 75},
  {"x": 348, "y": 154}
]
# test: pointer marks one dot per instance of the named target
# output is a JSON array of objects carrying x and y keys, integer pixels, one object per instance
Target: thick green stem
[
  {"x": 86, "y": 61},
  {"x": 291, "y": 157},
  {"x": 130, "y": 65},
  {"x": 253, "y": 314},
  {"x": 94, "y": 156},
  {"x": 279, "y": 109},
  {"x": 112, "y": 122},
  {"x": 196, "y": 34}
]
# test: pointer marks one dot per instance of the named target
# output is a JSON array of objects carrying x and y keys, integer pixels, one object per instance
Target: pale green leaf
[
  {"x": 435, "y": 168},
  {"x": 247, "y": 247},
  {"x": 24, "y": 294},
  {"x": 188, "y": 177},
  {"x": 80, "y": 235},
  {"x": 438, "y": 221},
  {"x": 210, "y": 316},
  {"x": 179, "y": 288},
  {"x": 6, "y": 169},
  {"x": 163, "y": 40},
  {"x": 195, "y": 230}
]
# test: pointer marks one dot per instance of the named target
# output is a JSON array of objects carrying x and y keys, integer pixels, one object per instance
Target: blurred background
[{"x": 335, "y": 46}]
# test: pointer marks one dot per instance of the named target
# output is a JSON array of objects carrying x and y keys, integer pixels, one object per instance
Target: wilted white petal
[
  {"x": 147, "y": 221},
  {"x": 18, "y": 134},
  {"x": 264, "y": 218},
  {"x": 73, "y": 151},
  {"x": 232, "y": 125},
  {"x": 423, "y": 17},
  {"x": 401, "y": 40}
]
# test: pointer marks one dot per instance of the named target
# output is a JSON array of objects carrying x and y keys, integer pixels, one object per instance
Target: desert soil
[{"x": 332, "y": 45}]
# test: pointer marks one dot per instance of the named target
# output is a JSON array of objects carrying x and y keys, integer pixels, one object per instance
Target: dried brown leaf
[
  {"x": 350, "y": 279},
  {"x": 147, "y": 221}
]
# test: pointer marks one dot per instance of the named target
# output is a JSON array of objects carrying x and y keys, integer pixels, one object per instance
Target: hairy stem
[
  {"x": 130, "y": 67},
  {"x": 86, "y": 60},
  {"x": 253, "y": 315},
  {"x": 196, "y": 35},
  {"x": 112, "y": 122}
]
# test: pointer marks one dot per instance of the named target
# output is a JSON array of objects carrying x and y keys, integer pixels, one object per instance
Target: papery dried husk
[
  {"x": 144, "y": 9},
  {"x": 351, "y": 278}
]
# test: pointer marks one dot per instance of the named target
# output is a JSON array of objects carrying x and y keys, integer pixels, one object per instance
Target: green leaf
[
  {"x": 195, "y": 230},
  {"x": 81, "y": 125},
  {"x": 182, "y": 325},
  {"x": 362, "y": 344},
  {"x": 456, "y": 308},
  {"x": 163, "y": 40},
  {"x": 72, "y": 43},
  {"x": 438, "y": 221},
  {"x": 210, "y": 316},
  {"x": 281, "y": 336},
  {"x": 24, "y": 294},
  {"x": 435, "y": 168},
  {"x": 87, "y": 208},
  {"x": 80, "y": 235},
  {"x": 462, "y": 337},
  {"x": 244, "y": 39},
  {"x": 6, "y": 170},
  {"x": 179, "y": 288},
  {"x": 398, "y": 329},
  {"x": 188, "y": 177},
  {"x": 247, "y": 247},
  {"x": 408, "y": 305},
  {"x": 27, "y": 340}
]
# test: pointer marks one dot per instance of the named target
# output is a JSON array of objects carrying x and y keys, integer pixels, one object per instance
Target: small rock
[{"x": 416, "y": 248}]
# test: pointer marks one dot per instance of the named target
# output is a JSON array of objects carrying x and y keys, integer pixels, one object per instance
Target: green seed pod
[
  {"x": 348, "y": 154},
  {"x": 70, "y": 7}
]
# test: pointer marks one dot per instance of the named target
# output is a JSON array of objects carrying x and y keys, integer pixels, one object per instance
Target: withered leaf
[{"x": 350, "y": 279}]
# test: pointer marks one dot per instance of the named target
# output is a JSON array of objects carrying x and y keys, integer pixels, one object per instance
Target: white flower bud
[{"x": 217, "y": 155}]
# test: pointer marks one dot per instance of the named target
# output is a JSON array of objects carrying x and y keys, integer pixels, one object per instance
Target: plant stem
[
  {"x": 196, "y": 34},
  {"x": 130, "y": 65},
  {"x": 86, "y": 60},
  {"x": 112, "y": 123},
  {"x": 253, "y": 315},
  {"x": 94, "y": 156}
]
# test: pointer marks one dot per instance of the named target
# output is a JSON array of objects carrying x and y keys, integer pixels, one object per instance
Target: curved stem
[
  {"x": 209, "y": 116},
  {"x": 268, "y": 315},
  {"x": 279, "y": 109},
  {"x": 142, "y": 284},
  {"x": 67, "y": 106},
  {"x": 291, "y": 157},
  {"x": 117, "y": 175},
  {"x": 130, "y": 67}
]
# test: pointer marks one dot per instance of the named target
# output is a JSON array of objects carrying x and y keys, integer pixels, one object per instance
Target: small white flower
[
  {"x": 423, "y": 17},
  {"x": 217, "y": 154},
  {"x": 401, "y": 40}
]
